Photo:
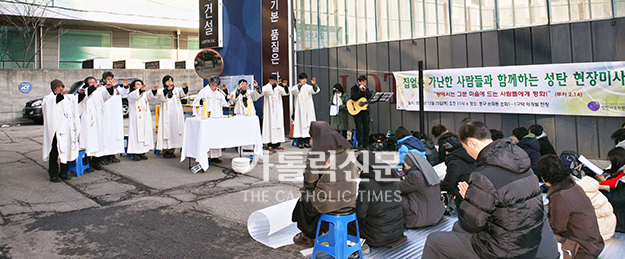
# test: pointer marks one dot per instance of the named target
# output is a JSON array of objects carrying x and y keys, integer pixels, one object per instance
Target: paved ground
[{"x": 148, "y": 209}]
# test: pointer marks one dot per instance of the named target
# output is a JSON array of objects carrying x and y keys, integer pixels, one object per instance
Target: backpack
[
  {"x": 430, "y": 150},
  {"x": 571, "y": 159}
]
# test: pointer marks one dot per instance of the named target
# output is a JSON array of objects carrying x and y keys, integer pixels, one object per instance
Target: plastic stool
[
  {"x": 295, "y": 143},
  {"x": 125, "y": 147},
  {"x": 77, "y": 167},
  {"x": 337, "y": 236}
]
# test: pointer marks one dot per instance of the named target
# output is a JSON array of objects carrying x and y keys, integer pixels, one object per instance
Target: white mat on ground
[{"x": 272, "y": 226}]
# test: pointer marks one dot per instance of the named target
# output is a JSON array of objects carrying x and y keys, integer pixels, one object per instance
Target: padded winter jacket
[
  {"x": 379, "y": 211},
  {"x": 459, "y": 167},
  {"x": 410, "y": 144},
  {"x": 531, "y": 146},
  {"x": 572, "y": 216},
  {"x": 503, "y": 205},
  {"x": 616, "y": 196},
  {"x": 603, "y": 209},
  {"x": 420, "y": 202}
]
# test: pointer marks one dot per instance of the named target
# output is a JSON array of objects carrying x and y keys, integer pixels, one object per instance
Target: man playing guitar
[{"x": 361, "y": 119}]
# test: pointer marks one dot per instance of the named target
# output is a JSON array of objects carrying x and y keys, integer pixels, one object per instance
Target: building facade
[
  {"x": 337, "y": 40},
  {"x": 78, "y": 30}
]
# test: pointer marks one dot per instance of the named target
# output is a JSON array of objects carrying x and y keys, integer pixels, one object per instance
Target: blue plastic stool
[
  {"x": 337, "y": 236},
  {"x": 77, "y": 167},
  {"x": 295, "y": 143}
]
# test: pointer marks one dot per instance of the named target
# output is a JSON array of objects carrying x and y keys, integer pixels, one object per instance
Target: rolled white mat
[{"x": 272, "y": 226}]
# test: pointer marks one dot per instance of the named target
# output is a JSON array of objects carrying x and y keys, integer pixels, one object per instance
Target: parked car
[{"x": 32, "y": 109}]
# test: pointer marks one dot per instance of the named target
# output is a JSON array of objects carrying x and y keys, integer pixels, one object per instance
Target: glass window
[
  {"x": 619, "y": 6},
  {"x": 351, "y": 36},
  {"x": 442, "y": 17},
  {"x": 405, "y": 24},
  {"x": 370, "y": 14},
  {"x": 339, "y": 30},
  {"x": 488, "y": 15},
  {"x": 13, "y": 49},
  {"x": 151, "y": 47},
  {"x": 580, "y": 10},
  {"x": 323, "y": 23},
  {"x": 393, "y": 20},
  {"x": 78, "y": 46},
  {"x": 600, "y": 9},
  {"x": 518, "y": 13},
  {"x": 193, "y": 46},
  {"x": 383, "y": 20},
  {"x": 559, "y": 11},
  {"x": 418, "y": 17},
  {"x": 473, "y": 15},
  {"x": 458, "y": 16}
]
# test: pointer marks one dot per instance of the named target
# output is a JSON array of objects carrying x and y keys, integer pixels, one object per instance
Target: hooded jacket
[
  {"x": 603, "y": 209},
  {"x": 503, "y": 205},
  {"x": 410, "y": 144},
  {"x": 378, "y": 206},
  {"x": 459, "y": 167},
  {"x": 531, "y": 146},
  {"x": 572, "y": 216}
]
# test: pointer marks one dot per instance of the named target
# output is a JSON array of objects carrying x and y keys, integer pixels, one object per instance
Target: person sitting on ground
[
  {"x": 430, "y": 150},
  {"x": 421, "y": 193},
  {"x": 496, "y": 134},
  {"x": 619, "y": 138},
  {"x": 439, "y": 131},
  {"x": 459, "y": 167},
  {"x": 530, "y": 145},
  {"x": 571, "y": 214},
  {"x": 603, "y": 209},
  {"x": 502, "y": 213},
  {"x": 614, "y": 186},
  {"x": 543, "y": 140},
  {"x": 380, "y": 220},
  {"x": 325, "y": 189},
  {"x": 407, "y": 143},
  {"x": 612, "y": 175}
]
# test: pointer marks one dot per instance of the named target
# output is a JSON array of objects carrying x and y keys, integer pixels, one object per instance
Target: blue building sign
[{"x": 25, "y": 87}]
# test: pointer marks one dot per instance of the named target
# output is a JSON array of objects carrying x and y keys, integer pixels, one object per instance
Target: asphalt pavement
[{"x": 155, "y": 208}]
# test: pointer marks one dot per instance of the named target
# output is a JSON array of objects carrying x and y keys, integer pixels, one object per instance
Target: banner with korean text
[{"x": 594, "y": 89}]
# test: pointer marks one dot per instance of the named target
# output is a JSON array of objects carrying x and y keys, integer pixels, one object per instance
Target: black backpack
[
  {"x": 571, "y": 159},
  {"x": 430, "y": 150}
]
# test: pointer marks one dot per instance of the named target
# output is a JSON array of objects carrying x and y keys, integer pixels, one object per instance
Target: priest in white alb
[
  {"x": 273, "y": 114},
  {"x": 171, "y": 117},
  {"x": 61, "y": 129},
  {"x": 140, "y": 131},
  {"x": 215, "y": 99},
  {"x": 244, "y": 98},
  {"x": 304, "y": 112},
  {"x": 114, "y": 119}
]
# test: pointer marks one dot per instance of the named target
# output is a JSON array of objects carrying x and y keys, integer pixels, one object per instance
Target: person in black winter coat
[
  {"x": 378, "y": 206},
  {"x": 439, "y": 131},
  {"x": 362, "y": 119},
  {"x": 502, "y": 213},
  {"x": 430, "y": 150},
  {"x": 529, "y": 143},
  {"x": 616, "y": 197},
  {"x": 459, "y": 167},
  {"x": 543, "y": 140},
  {"x": 421, "y": 193}
]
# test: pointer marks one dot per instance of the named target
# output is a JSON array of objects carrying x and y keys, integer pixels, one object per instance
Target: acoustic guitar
[{"x": 354, "y": 107}]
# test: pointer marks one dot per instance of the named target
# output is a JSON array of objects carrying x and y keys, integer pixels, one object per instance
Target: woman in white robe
[
  {"x": 304, "y": 108},
  {"x": 171, "y": 117},
  {"x": 244, "y": 98},
  {"x": 273, "y": 115},
  {"x": 140, "y": 134},
  {"x": 60, "y": 132}
]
